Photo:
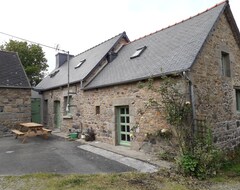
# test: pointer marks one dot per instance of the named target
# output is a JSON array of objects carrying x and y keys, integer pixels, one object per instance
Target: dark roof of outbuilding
[
  {"x": 170, "y": 50},
  {"x": 12, "y": 74},
  {"x": 92, "y": 58}
]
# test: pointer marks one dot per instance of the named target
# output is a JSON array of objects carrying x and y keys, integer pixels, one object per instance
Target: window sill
[{"x": 67, "y": 117}]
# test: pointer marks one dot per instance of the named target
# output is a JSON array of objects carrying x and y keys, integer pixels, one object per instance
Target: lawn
[
  {"x": 124, "y": 181},
  {"x": 163, "y": 180}
]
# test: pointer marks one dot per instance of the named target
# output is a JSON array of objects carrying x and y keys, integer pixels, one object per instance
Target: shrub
[
  {"x": 198, "y": 156},
  {"x": 204, "y": 159}
]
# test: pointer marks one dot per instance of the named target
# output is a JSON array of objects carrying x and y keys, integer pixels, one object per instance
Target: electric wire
[{"x": 40, "y": 44}]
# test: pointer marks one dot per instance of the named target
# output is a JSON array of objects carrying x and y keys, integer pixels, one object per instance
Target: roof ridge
[
  {"x": 218, "y": 4},
  {"x": 6, "y": 51},
  {"x": 100, "y": 43}
]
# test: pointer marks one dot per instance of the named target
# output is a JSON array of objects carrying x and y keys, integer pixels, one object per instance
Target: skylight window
[
  {"x": 138, "y": 52},
  {"x": 80, "y": 63},
  {"x": 53, "y": 74}
]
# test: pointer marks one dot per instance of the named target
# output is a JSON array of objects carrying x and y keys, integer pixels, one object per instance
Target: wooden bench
[
  {"x": 17, "y": 132},
  {"x": 46, "y": 130}
]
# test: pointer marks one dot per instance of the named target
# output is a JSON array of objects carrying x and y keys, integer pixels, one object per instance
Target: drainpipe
[
  {"x": 192, "y": 99},
  {"x": 67, "y": 107},
  {"x": 81, "y": 84}
]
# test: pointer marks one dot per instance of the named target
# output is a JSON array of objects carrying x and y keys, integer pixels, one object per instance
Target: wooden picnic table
[{"x": 31, "y": 129}]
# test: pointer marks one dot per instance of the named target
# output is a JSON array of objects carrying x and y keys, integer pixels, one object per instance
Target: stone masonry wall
[
  {"x": 15, "y": 106},
  {"x": 108, "y": 99},
  {"x": 58, "y": 95},
  {"x": 215, "y": 93},
  {"x": 144, "y": 120}
]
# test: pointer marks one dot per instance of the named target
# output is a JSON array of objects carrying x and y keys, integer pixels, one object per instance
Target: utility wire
[
  {"x": 55, "y": 48},
  {"x": 68, "y": 99}
]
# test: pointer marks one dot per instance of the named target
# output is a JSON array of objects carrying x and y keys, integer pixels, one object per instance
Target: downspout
[
  {"x": 67, "y": 107},
  {"x": 81, "y": 84},
  {"x": 192, "y": 99}
]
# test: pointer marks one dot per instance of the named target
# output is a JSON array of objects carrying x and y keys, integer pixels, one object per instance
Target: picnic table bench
[
  {"x": 17, "y": 132},
  {"x": 31, "y": 129}
]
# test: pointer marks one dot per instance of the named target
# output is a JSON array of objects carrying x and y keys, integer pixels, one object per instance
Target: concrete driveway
[{"x": 54, "y": 155}]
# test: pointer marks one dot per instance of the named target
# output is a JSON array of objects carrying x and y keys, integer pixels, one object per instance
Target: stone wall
[
  {"x": 58, "y": 95},
  {"x": 215, "y": 93},
  {"x": 15, "y": 106},
  {"x": 108, "y": 99},
  {"x": 227, "y": 134},
  {"x": 143, "y": 119}
]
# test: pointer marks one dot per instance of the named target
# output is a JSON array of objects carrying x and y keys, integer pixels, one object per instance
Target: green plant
[
  {"x": 197, "y": 156},
  {"x": 188, "y": 164},
  {"x": 231, "y": 162},
  {"x": 204, "y": 159}
]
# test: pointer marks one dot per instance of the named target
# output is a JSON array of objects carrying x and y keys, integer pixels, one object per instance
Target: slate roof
[
  {"x": 12, "y": 74},
  {"x": 93, "y": 56},
  {"x": 170, "y": 50}
]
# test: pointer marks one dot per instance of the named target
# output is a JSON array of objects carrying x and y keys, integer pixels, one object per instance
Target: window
[
  {"x": 1, "y": 108},
  {"x": 80, "y": 63},
  {"x": 97, "y": 110},
  {"x": 53, "y": 74},
  {"x": 66, "y": 112},
  {"x": 138, "y": 52},
  {"x": 226, "y": 65},
  {"x": 238, "y": 99}
]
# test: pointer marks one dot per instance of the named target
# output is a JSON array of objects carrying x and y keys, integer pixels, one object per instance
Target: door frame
[
  {"x": 125, "y": 123},
  {"x": 57, "y": 113},
  {"x": 38, "y": 110}
]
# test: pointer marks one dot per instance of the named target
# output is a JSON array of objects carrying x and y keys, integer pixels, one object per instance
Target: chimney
[{"x": 61, "y": 58}]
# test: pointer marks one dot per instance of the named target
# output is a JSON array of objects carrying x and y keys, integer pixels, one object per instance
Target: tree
[{"x": 32, "y": 58}]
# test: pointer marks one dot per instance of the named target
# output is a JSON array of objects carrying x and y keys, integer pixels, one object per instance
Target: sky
[{"x": 77, "y": 25}]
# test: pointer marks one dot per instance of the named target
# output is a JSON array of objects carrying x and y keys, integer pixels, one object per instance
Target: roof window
[
  {"x": 53, "y": 74},
  {"x": 80, "y": 63},
  {"x": 138, "y": 52}
]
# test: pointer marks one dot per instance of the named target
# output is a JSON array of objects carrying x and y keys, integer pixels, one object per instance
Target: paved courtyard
[{"x": 54, "y": 155}]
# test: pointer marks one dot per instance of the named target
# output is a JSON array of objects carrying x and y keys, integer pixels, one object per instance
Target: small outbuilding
[{"x": 15, "y": 92}]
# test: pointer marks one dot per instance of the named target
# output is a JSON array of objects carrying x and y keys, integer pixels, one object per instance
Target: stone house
[
  {"x": 15, "y": 91},
  {"x": 102, "y": 86}
]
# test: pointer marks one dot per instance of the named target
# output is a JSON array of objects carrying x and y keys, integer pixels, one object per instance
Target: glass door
[{"x": 123, "y": 125}]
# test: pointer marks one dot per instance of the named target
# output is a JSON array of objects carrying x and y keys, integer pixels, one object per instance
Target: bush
[
  {"x": 187, "y": 164},
  {"x": 204, "y": 159},
  {"x": 198, "y": 156}
]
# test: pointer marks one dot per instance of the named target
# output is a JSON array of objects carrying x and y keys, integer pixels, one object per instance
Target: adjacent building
[{"x": 15, "y": 91}]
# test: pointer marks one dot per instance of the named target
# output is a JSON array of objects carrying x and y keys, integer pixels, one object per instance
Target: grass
[
  {"x": 123, "y": 181},
  {"x": 162, "y": 180}
]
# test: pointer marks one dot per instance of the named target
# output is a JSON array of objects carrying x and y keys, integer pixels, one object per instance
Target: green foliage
[
  {"x": 198, "y": 156},
  {"x": 231, "y": 164},
  {"x": 32, "y": 58},
  {"x": 71, "y": 182},
  {"x": 205, "y": 159},
  {"x": 188, "y": 163},
  {"x": 175, "y": 102}
]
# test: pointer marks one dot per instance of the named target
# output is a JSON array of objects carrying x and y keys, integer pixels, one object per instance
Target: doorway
[
  {"x": 123, "y": 126},
  {"x": 36, "y": 110},
  {"x": 57, "y": 116}
]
